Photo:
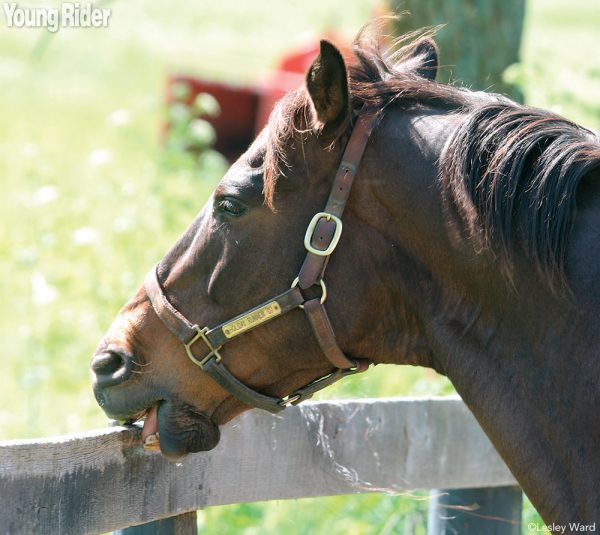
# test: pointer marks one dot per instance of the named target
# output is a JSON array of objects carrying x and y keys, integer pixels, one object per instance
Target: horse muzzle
[{"x": 112, "y": 366}]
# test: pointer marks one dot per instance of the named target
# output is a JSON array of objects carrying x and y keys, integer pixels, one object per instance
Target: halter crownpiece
[{"x": 320, "y": 240}]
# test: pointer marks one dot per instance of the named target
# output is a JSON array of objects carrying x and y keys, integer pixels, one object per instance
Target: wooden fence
[{"x": 101, "y": 481}]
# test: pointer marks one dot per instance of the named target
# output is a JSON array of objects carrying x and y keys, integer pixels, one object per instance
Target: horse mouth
[{"x": 177, "y": 429}]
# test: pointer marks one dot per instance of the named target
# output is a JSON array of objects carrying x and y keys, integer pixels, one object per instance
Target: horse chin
[{"x": 182, "y": 430}]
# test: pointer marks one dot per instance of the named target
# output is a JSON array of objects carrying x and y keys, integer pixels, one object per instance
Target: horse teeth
[{"x": 152, "y": 442}]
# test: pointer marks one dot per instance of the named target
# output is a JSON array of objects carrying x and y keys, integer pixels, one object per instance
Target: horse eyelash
[{"x": 222, "y": 205}]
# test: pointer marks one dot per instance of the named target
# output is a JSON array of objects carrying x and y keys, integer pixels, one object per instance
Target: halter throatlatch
[{"x": 321, "y": 238}]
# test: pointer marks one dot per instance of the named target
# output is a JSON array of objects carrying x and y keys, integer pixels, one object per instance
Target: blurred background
[{"x": 94, "y": 189}]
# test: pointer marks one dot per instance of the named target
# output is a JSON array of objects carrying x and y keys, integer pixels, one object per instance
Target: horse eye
[{"x": 231, "y": 207}]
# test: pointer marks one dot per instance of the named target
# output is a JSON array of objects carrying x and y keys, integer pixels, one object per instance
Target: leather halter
[{"x": 321, "y": 239}]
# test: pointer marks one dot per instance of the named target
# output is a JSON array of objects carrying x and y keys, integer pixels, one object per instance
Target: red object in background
[
  {"x": 245, "y": 109},
  {"x": 235, "y": 124},
  {"x": 289, "y": 74}
]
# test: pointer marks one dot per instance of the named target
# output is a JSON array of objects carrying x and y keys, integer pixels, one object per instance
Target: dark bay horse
[{"x": 469, "y": 245}]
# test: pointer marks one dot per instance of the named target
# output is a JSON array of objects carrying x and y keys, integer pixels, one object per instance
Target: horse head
[{"x": 246, "y": 246}]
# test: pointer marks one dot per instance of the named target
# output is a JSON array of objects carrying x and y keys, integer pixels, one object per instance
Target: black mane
[
  {"x": 512, "y": 172},
  {"x": 380, "y": 75}
]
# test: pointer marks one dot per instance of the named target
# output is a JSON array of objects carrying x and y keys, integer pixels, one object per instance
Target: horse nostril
[
  {"x": 106, "y": 363},
  {"x": 112, "y": 367}
]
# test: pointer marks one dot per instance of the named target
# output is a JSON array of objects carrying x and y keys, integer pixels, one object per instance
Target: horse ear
[
  {"x": 427, "y": 59},
  {"x": 327, "y": 85}
]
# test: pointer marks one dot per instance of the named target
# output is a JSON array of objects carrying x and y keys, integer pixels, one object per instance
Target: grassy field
[{"x": 90, "y": 199}]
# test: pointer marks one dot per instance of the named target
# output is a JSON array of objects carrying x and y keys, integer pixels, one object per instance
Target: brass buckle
[
  {"x": 311, "y": 228},
  {"x": 323, "y": 289},
  {"x": 201, "y": 334},
  {"x": 291, "y": 399}
]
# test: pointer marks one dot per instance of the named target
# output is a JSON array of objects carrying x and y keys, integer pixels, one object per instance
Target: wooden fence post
[
  {"x": 493, "y": 511},
  {"x": 184, "y": 524}
]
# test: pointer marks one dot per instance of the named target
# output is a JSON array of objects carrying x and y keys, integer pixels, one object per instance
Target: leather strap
[
  {"x": 286, "y": 301},
  {"x": 173, "y": 320},
  {"x": 183, "y": 329},
  {"x": 319, "y": 320},
  {"x": 246, "y": 395},
  {"x": 314, "y": 265}
]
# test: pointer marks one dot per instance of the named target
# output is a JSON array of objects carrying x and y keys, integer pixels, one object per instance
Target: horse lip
[
  {"x": 141, "y": 414},
  {"x": 126, "y": 416},
  {"x": 183, "y": 429}
]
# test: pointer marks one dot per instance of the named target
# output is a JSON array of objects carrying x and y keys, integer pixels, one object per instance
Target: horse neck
[
  {"x": 524, "y": 360},
  {"x": 528, "y": 373}
]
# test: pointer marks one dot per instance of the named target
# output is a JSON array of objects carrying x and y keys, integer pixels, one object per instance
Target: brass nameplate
[{"x": 252, "y": 319}]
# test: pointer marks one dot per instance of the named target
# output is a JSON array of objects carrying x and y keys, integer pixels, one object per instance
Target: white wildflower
[
  {"x": 85, "y": 236},
  {"x": 42, "y": 293},
  {"x": 45, "y": 194},
  {"x": 119, "y": 117},
  {"x": 100, "y": 157}
]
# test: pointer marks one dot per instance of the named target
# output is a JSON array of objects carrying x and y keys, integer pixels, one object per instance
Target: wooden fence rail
[{"x": 103, "y": 480}]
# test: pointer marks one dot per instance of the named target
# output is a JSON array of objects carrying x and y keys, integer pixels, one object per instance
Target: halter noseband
[{"x": 321, "y": 239}]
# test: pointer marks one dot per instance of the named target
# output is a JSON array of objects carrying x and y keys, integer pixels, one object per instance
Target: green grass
[
  {"x": 561, "y": 68},
  {"x": 89, "y": 201}
]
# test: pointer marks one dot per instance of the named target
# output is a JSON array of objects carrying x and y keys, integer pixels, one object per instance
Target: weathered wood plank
[
  {"x": 184, "y": 524},
  {"x": 103, "y": 481}
]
